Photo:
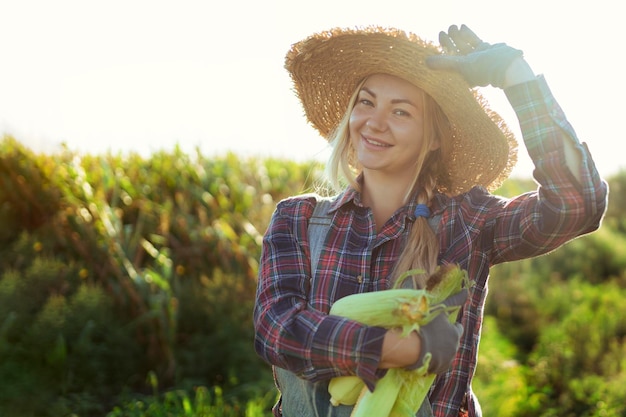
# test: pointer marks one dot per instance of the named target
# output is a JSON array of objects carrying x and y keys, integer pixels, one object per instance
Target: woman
[{"x": 420, "y": 152}]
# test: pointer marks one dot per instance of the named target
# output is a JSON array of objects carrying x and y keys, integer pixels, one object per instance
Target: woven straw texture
[{"x": 326, "y": 68}]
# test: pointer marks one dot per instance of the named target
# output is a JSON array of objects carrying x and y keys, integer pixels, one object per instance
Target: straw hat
[{"x": 326, "y": 68}]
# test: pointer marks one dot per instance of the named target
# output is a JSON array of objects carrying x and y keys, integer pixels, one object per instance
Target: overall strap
[
  {"x": 299, "y": 397},
  {"x": 319, "y": 224}
]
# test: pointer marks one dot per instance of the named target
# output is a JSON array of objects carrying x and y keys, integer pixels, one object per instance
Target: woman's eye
[
  {"x": 400, "y": 112},
  {"x": 366, "y": 102}
]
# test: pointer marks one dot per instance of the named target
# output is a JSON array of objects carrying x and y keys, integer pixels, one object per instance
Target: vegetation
[{"x": 127, "y": 285}]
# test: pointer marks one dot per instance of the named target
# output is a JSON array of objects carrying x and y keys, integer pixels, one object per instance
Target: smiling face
[{"x": 387, "y": 127}]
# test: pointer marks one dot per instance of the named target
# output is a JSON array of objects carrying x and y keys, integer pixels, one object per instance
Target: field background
[{"x": 127, "y": 285}]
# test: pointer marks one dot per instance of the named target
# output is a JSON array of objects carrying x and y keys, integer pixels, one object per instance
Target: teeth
[{"x": 373, "y": 142}]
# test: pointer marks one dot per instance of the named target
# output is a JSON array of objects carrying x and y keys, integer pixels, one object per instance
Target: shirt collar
[
  {"x": 349, "y": 195},
  {"x": 352, "y": 196}
]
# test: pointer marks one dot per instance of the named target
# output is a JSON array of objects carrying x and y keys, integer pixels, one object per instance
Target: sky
[{"x": 146, "y": 75}]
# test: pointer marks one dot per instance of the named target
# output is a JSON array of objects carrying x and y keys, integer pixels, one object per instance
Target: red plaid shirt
[{"x": 477, "y": 230}]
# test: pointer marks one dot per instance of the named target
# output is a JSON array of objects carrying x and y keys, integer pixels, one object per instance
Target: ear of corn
[
  {"x": 399, "y": 393},
  {"x": 345, "y": 389},
  {"x": 380, "y": 401},
  {"x": 390, "y": 308},
  {"x": 412, "y": 393},
  {"x": 446, "y": 281}
]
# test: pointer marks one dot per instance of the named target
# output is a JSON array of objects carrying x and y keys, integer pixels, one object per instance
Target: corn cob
[
  {"x": 446, "y": 281},
  {"x": 404, "y": 308},
  {"x": 345, "y": 389},
  {"x": 415, "y": 386},
  {"x": 402, "y": 391},
  {"x": 379, "y": 402}
]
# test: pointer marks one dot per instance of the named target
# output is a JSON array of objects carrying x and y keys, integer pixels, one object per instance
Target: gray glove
[
  {"x": 441, "y": 338},
  {"x": 480, "y": 63}
]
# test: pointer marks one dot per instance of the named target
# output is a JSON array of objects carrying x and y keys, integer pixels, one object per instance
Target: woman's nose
[{"x": 377, "y": 121}]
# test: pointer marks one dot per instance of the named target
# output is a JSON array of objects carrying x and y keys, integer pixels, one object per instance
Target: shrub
[{"x": 116, "y": 267}]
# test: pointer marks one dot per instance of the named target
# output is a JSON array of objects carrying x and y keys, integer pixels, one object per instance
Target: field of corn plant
[{"x": 127, "y": 285}]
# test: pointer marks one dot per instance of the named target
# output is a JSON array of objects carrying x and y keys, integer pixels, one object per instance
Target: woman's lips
[{"x": 375, "y": 142}]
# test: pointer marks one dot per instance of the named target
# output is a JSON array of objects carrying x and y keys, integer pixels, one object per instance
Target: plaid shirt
[{"x": 476, "y": 230}]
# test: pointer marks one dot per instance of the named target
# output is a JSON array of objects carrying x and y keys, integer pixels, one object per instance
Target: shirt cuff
[{"x": 372, "y": 347}]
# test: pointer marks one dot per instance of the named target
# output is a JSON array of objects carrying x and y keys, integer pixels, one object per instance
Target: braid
[{"x": 421, "y": 249}]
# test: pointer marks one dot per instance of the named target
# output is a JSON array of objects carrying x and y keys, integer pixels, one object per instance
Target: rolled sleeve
[{"x": 545, "y": 130}]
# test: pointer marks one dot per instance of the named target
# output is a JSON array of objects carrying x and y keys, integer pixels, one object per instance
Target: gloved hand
[
  {"x": 480, "y": 63},
  {"x": 441, "y": 338}
]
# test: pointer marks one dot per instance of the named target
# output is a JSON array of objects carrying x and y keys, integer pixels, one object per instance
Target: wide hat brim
[{"x": 326, "y": 68}]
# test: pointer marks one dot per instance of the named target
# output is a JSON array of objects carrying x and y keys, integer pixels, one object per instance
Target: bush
[
  {"x": 580, "y": 352},
  {"x": 132, "y": 266},
  {"x": 499, "y": 383},
  {"x": 62, "y": 350}
]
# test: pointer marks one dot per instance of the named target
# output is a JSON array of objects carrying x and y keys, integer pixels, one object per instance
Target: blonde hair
[{"x": 421, "y": 248}]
